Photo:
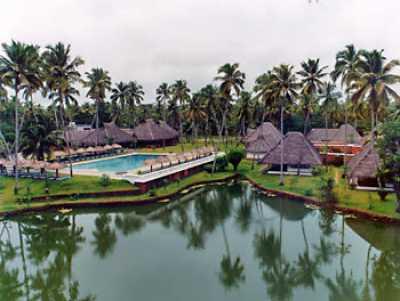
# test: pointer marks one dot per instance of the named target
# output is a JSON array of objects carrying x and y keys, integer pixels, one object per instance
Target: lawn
[{"x": 309, "y": 186}]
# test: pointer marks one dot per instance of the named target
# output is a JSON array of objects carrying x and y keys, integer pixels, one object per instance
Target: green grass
[
  {"x": 347, "y": 197},
  {"x": 306, "y": 186}
]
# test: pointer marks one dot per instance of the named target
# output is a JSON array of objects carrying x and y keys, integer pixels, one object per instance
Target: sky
[{"x": 155, "y": 41}]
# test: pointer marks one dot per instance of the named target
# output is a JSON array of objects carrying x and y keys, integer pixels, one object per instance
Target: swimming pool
[{"x": 118, "y": 164}]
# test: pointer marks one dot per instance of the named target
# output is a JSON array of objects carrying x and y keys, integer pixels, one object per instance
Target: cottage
[
  {"x": 261, "y": 140},
  {"x": 336, "y": 144},
  {"x": 299, "y": 156}
]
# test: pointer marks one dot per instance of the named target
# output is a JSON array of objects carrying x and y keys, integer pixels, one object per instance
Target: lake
[{"x": 227, "y": 242}]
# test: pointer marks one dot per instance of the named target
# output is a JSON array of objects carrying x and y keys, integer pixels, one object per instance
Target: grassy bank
[
  {"x": 309, "y": 186},
  {"x": 82, "y": 184}
]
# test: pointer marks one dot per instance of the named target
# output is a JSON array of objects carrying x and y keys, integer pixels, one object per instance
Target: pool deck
[
  {"x": 168, "y": 171},
  {"x": 134, "y": 177}
]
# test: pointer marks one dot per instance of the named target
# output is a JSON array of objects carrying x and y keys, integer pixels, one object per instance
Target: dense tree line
[{"x": 357, "y": 90}]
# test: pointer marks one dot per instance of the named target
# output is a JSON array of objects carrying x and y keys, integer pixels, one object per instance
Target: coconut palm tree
[
  {"x": 135, "y": 97},
  {"x": 373, "y": 82},
  {"x": 346, "y": 64},
  {"x": 265, "y": 95},
  {"x": 283, "y": 88},
  {"x": 163, "y": 95},
  {"x": 119, "y": 95},
  {"x": 98, "y": 82},
  {"x": 209, "y": 94},
  {"x": 39, "y": 136},
  {"x": 311, "y": 80},
  {"x": 244, "y": 113},
  {"x": 61, "y": 73},
  {"x": 195, "y": 113},
  {"x": 231, "y": 81},
  {"x": 19, "y": 66},
  {"x": 329, "y": 98},
  {"x": 180, "y": 94}
]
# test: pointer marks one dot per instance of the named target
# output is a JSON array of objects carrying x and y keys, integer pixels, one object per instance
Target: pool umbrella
[
  {"x": 81, "y": 151},
  {"x": 59, "y": 153},
  {"x": 39, "y": 165},
  {"x": 116, "y": 146},
  {"x": 28, "y": 164},
  {"x": 90, "y": 149},
  {"x": 108, "y": 147},
  {"x": 99, "y": 149},
  {"x": 55, "y": 166}
]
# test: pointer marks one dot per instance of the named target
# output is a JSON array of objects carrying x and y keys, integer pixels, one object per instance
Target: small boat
[
  {"x": 64, "y": 211},
  {"x": 164, "y": 201},
  {"x": 312, "y": 206}
]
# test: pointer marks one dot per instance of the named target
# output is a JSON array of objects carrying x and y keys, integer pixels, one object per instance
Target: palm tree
[
  {"x": 283, "y": 87},
  {"x": 195, "y": 113},
  {"x": 244, "y": 113},
  {"x": 135, "y": 97},
  {"x": 20, "y": 68},
  {"x": 209, "y": 95},
  {"x": 346, "y": 64},
  {"x": 311, "y": 81},
  {"x": 231, "y": 83},
  {"x": 119, "y": 95},
  {"x": 329, "y": 97},
  {"x": 265, "y": 95},
  {"x": 372, "y": 82},
  {"x": 163, "y": 95},
  {"x": 180, "y": 94},
  {"x": 60, "y": 74},
  {"x": 98, "y": 82},
  {"x": 39, "y": 136}
]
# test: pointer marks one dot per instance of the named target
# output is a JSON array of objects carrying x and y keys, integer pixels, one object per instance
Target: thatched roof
[
  {"x": 335, "y": 136},
  {"x": 364, "y": 165},
  {"x": 297, "y": 150},
  {"x": 110, "y": 132},
  {"x": 266, "y": 130},
  {"x": 151, "y": 130}
]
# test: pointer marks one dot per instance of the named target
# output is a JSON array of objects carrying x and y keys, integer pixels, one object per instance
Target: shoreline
[{"x": 353, "y": 212}]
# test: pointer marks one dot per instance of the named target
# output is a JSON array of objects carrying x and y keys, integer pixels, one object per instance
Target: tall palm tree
[
  {"x": 98, "y": 82},
  {"x": 346, "y": 64},
  {"x": 329, "y": 98},
  {"x": 244, "y": 113},
  {"x": 19, "y": 66},
  {"x": 311, "y": 80},
  {"x": 209, "y": 95},
  {"x": 180, "y": 94},
  {"x": 119, "y": 95},
  {"x": 195, "y": 113},
  {"x": 60, "y": 74},
  {"x": 231, "y": 81},
  {"x": 265, "y": 95},
  {"x": 283, "y": 87},
  {"x": 163, "y": 95},
  {"x": 135, "y": 97},
  {"x": 373, "y": 81}
]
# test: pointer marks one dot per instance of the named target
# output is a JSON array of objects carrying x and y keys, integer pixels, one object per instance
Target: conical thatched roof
[
  {"x": 297, "y": 150},
  {"x": 109, "y": 133},
  {"x": 364, "y": 164},
  {"x": 151, "y": 130},
  {"x": 335, "y": 136},
  {"x": 266, "y": 130}
]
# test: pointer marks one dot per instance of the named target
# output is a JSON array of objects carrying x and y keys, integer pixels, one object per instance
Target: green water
[{"x": 222, "y": 243}]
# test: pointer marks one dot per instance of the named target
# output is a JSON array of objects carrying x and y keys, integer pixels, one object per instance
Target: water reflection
[{"x": 242, "y": 244}]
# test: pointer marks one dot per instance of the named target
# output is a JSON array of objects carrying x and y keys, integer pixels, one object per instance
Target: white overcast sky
[{"x": 154, "y": 41}]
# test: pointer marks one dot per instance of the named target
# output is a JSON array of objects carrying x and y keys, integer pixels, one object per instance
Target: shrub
[
  {"x": 317, "y": 171},
  {"x": 327, "y": 189},
  {"x": 308, "y": 192},
  {"x": 220, "y": 165},
  {"x": 234, "y": 157},
  {"x": 105, "y": 180}
]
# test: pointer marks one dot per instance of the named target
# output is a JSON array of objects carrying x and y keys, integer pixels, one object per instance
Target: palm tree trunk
[
  {"x": 281, "y": 180},
  {"x": 22, "y": 250},
  {"x": 68, "y": 140},
  {"x": 17, "y": 130},
  {"x": 97, "y": 122}
]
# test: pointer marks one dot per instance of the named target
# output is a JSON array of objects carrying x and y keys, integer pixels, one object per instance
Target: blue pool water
[{"x": 120, "y": 164}]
